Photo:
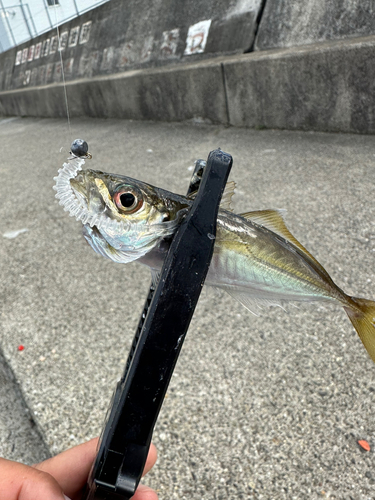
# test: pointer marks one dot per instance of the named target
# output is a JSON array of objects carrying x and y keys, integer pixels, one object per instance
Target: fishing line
[{"x": 63, "y": 73}]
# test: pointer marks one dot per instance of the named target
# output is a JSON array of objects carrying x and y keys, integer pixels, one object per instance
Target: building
[{"x": 22, "y": 20}]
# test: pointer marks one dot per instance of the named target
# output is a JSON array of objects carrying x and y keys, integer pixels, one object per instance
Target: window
[{"x": 52, "y": 2}]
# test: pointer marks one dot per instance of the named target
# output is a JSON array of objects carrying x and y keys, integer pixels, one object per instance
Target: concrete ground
[{"x": 268, "y": 407}]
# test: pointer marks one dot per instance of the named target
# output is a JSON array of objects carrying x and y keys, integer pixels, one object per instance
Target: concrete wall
[
  {"x": 309, "y": 65},
  {"x": 119, "y": 36},
  {"x": 288, "y": 23}
]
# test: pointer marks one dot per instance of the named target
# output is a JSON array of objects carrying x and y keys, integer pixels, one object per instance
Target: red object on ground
[
  {"x": 364, "y": 444},
  {"x": 21, "y": 347}
]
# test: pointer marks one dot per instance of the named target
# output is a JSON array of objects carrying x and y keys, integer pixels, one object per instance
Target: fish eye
[{"x": 127, "y": 199}]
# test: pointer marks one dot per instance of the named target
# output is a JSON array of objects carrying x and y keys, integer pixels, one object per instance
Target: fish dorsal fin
[
  {"x": 226, "y": 198},
  {"x": 273, "y": 220}
]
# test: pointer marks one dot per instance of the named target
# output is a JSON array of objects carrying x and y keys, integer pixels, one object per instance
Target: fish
[{"x": 256, "y": 259}]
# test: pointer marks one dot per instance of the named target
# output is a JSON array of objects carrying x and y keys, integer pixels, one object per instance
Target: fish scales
[{"x": 249, "y": 256}]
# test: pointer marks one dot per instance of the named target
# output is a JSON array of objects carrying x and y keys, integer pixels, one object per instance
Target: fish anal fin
[
  {"x": 274, "y": 221},
  {"x": 243, "y": 299},
  {"x": 250, "y": 302}
]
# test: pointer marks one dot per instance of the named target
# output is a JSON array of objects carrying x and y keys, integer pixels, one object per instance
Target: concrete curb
[
  {"x": 193, "y": 91},
  {"x": 323, "y": 87},
  {"x": 20, "y": 438}
]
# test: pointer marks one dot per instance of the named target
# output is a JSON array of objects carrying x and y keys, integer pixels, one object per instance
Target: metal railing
[{"x": 17, "y": 22}]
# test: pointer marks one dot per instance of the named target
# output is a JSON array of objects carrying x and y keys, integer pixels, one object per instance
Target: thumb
[{"x": 20, "y": 482}]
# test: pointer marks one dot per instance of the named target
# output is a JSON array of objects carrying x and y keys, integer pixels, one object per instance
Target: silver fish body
[
  {"x": 258, "y": 262},
  {"x": 251, "y": 261},
  {"x": 256, "y": 259}
]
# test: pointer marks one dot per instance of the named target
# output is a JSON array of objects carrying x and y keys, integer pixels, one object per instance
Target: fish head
[{"x": 123, "y": 218}]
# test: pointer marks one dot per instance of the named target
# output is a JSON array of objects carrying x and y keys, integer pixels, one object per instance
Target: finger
[
  {"x": 20, "y": 482},
  {"x": 151, "y": 459},
  {"x": 145, "y": 493},
  {"x": 71, "y": 467}
]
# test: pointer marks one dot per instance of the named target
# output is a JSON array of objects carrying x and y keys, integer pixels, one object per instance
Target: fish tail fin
[{"x": 361, "y": 313}]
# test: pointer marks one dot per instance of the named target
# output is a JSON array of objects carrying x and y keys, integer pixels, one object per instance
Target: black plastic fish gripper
[{"x": 162, "y": 328}]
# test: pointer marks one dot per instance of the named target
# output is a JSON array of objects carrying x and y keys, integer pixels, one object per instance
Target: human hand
[{"x": 59, "y": 478}]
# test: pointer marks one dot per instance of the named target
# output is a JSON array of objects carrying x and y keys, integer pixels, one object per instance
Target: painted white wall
[{"x": 19, "y": 18}]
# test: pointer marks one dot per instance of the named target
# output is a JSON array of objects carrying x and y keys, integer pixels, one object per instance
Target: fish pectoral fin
[
  {"x": 226, "y": 198},
  {"x": 274, "y": 221},
  {"x": 155, "y": 275}
]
